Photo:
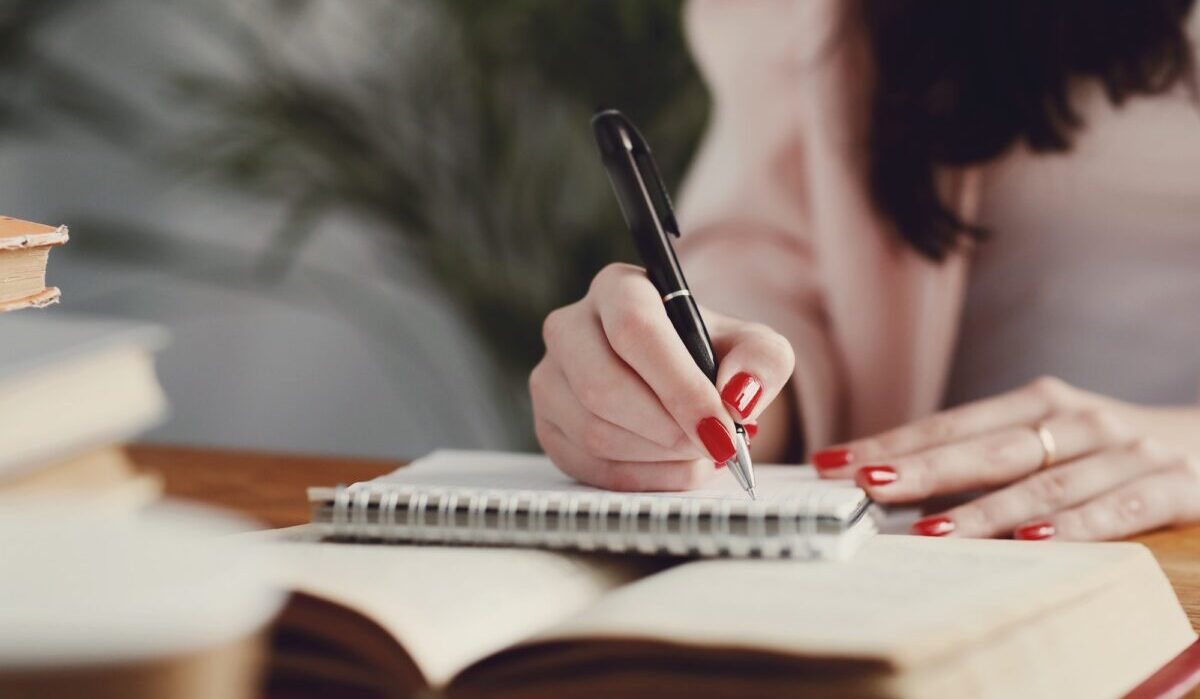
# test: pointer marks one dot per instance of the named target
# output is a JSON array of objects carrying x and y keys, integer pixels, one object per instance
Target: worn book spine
[
  {"x": 23, "y": 235},
  {"x": 611, "y": 522}
]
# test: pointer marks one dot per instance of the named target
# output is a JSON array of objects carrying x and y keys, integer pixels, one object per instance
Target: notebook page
[
  {"x": 448, "y": 606},
  {"x": 482, "y": 470},
  {"x": 899, "y": 598}
]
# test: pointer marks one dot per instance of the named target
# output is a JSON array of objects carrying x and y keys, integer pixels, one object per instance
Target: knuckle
[
  {"x": 1051, "y": 488},
  {"x": 1000, "y": 449},
  {"x": 596, "y": 438},
  {"x": 1107, "y": 427},
  {"x": 631, "y": 324},
  {"x": 1131, "y": 507},
  {"x": 938, "y": 429},
  {"x": 552, "y": 443},
  {"x": 1185, "y": 468},
  {"x": 607, "y": 277},
  {"x": 622, "y": 285},
  {"x": 1153, "y": 452},
  {"x": 537, "y": 382},
  {"x": 1051, "y": 389},
  {"x": 890, "y": 443},
  {"x": 1098, "y": 521},
  {"x": 596, "y": 396},
  {"x": 991, "y": 514},
  {"x": 920, "y": 475},
  {"x": 540, "y": 431},
  {"x": 554, "y": 327}
]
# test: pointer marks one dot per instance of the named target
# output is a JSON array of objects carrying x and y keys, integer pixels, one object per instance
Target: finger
[
  {"x": 1025, "y": 406},
  {"x": 601, "y": 381},
  {"x": 625, "y": 476},
  {"x": 1161, "y": 498},
  {"x": 641, "y": 334},
  {"x": 1045, "y": 493},
  {"x": 996, "y": 458},
  {"x": 755, "y": 363},
  {"x": 555, "y": 403}
]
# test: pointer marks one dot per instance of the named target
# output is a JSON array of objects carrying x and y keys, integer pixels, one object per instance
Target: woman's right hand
[{"x": 620, "y": 404}]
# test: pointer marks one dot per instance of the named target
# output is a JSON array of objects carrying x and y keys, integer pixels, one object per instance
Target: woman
[{"x": 906, "y": 204}]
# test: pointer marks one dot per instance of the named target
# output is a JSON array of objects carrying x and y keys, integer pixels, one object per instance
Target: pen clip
[{"x": 659, "y": 199}]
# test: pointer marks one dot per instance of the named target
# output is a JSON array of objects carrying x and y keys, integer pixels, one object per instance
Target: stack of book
[
  {"x": 24, "y": 252},
  {"x": 71, "y": 389}
]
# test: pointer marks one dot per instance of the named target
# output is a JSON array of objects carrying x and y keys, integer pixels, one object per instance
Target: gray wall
[{"x": 342, "y": 355}]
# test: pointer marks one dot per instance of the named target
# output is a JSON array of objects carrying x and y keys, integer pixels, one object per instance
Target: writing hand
[
  {"x": 1111, "y": 477},
  {"x": 620, "y": 404}
]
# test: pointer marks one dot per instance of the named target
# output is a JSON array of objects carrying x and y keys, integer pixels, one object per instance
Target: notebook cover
[{"x": 519, "y": 499}]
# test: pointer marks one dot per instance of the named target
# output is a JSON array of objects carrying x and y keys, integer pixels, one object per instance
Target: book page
[
  {"x": 449, "y": 606},
  {"x": 900, "y": 599},
  {"x": 483, "y": 470}
]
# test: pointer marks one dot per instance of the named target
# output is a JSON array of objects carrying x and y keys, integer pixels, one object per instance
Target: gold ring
[{"x": 1049, "y": 446}]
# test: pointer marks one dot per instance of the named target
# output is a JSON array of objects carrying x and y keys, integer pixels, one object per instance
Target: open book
[
  {"x": 905, "y": 617},
  {"x": 476, "y": 497}
]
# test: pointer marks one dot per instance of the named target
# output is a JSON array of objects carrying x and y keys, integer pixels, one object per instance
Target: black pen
[{"x": 647, "y": 210}]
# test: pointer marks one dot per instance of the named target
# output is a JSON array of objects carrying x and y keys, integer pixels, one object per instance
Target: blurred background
[{"x": 352, "y": 216}]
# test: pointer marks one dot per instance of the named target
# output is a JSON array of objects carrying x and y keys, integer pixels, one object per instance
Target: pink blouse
[{"x": 1086, "y": 274}]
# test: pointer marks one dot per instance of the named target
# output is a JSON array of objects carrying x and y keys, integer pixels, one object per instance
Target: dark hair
[{"x": 958, "y": 82}]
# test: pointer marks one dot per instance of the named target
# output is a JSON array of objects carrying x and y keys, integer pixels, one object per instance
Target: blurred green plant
[
  {"x": 39, "y": 89},
  {"x": 465, "y": 135}
]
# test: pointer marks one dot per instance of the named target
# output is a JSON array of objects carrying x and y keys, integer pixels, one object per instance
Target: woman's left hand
[{"x": 1115, "y": 469}]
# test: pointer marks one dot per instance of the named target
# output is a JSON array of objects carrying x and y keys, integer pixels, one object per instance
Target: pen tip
[{"x": 752, "y": 495}]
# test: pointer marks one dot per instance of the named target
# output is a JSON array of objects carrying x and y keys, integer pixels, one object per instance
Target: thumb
[{"x": 755, "y": 363}]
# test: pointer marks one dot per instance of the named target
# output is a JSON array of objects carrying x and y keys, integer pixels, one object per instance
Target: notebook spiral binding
[{"x": 586, "y": 521}]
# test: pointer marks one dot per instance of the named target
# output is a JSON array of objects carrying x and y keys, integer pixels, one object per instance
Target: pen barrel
[{"x": 685, "y": 316}]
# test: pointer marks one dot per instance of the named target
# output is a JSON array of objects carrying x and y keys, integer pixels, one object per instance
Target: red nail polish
[
  {"x": 718, "y": 464},
  {"x": 1035, "y": 532},
  {"x": 933, "y": 526},
  {"x": 751, "y": 429},
  {"x": 875, "y": 475},
  {"x": 831, "y": 458},
  {"x": 742, "y": 392},
  {"x": 716, "y": 439}
]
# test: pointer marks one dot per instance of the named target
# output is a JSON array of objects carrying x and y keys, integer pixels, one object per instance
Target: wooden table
[{"x": 270, "y": 488}]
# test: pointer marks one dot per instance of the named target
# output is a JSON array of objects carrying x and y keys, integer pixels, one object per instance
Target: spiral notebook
[{"x": 506, "y": 499}]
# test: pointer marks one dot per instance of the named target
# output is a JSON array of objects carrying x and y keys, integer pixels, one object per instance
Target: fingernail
[
  {"x": 875, "y": 475},
  {"x": 742, "y": 393},
  {"x": 751, "y": 429},
  {"x": 716, "y": 439},
  {"x": 1035, "y": 532},
  {"x": 718, "y": 464},
  {"x": 831, "y": 458},
  {"x": 933, "y": 526}
]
